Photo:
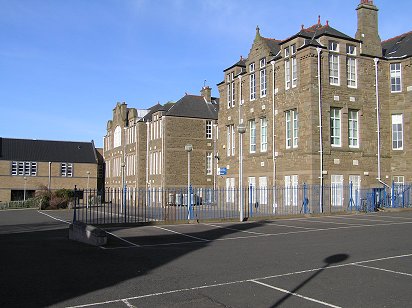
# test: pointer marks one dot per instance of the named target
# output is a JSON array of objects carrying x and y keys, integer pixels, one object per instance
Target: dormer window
[
  {"x": 351, "y": 50},
  {"x": 333, "y": 46}
]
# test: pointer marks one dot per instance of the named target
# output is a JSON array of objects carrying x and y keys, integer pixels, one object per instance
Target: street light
[
  {"x": 24, "y": 194},
  {"x": 188, "y": 149},
  {"x": 241, "y": 128}
]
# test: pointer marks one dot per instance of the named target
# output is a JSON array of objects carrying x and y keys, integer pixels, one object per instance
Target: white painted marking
[
  {"x": 335, "y": 223},
  {"x": 55, "y": 218},
  {"x": 122, "y": 239},
  {"x": 296, "y": 227},
  {"x": 234, "y": 229},
  {"x": 364, "y": 219},
  {"x": 396, "y": 217},
  {"x": 187, "y": 235},
  {"x": 128, "y": 304},
  {"x": 269, "y": 234},
  {"x": 295, "y": 294},
  {"x": 383, "y": 269},
  {"x": 238, "y": 281}
]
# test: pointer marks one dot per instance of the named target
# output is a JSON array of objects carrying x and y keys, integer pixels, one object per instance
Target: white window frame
[
  {"x": 353, "y": 128},
  {"x": 294, "y": 72},
  {"x": 291, "y": 190},
  {"x": 230, "y": 190},
  {"x": 263, "y": 82},
  {"x": 397, "y": 132},
  {"x": 209, "y": 163},
  {"x": 233, "y": 139},
  {"x": 351, "y": 67},
  {"x": 66, "y": 170},
  {"x": 356, "y": 186},
  {"x": 252, "y": 81},
  {"x": 335, "y": 127},
  {"x": 263, "y": 190},
  {"x": 336, "y": 190},
  {"x": 396, "y": 77},
  {"x": 334, "y": 68},
  {"x": 117, "y": 137},
  {"x": 292, "y": 128},
  {"x": 252, "y": 139},
  {"x": 287, "y": 74},
  {"x": 263, "y": 134},
  {"x": 209, "y": 129}
]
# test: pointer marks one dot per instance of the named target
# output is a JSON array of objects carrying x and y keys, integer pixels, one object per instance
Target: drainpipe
[
  {"x": 49, "y": 183},
  {"x": 273, "y": 136},
  {"x": 378, "y": 131},
  {"x": 318, "y": 49},
  {"x": 147, "y": 154}
]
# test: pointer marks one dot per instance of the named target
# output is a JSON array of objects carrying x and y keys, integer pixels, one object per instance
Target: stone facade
[
  {"x": 151, "y": 145},
  {"x": 282, "y": 139},
  {"x": 36, "y": 174}
]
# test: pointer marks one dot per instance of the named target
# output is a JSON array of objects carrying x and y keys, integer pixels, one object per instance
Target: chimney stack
[
  {"x": 206, "y": 92},
  {"x": 367, "y": 31}
]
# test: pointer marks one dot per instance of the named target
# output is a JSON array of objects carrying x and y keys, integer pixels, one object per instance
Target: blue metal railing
[{"x": 130, "y": 205}]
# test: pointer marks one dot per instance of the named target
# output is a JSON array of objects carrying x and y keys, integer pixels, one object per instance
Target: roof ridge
[{"x": 396, "y": 37}]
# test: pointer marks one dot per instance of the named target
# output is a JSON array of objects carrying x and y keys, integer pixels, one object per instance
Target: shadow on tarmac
[{"x": 328, "y": 262}]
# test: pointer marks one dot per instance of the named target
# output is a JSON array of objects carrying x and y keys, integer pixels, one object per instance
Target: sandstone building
[
  {"x": 145, "y": 149},
  {"x": 27, "y": 166},
  {"x": 319, "y": 107}
]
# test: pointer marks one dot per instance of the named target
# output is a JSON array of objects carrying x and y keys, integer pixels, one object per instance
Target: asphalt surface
[{"x": 335, "y": 261}]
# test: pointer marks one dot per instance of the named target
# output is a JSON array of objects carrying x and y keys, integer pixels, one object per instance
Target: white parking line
[
  {"x": 295, "y": 294},
  {"x": 55, "y": 218},
  {"x": 383, "y": 269},
  {"x": 187, "y": 235},
  {"x": 199, "y": 240},
  {"x": 234, "y": 229},
  {"x": 255, "y": 280},
  {"x": 122, "y": 239}
]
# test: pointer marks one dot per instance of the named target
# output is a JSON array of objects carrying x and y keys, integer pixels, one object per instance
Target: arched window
[{"x": 117, "y": 138}]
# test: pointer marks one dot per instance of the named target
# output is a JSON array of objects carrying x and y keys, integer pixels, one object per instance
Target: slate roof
[
  {"x": 398, "y": 47},
  {"x": 47, "y": 151},
  {"x": 194, "y": 106},
  {"x": 312, "y": 33},
  {"x": 273, "y": 45},
  {"x": 240, "y": 63}
]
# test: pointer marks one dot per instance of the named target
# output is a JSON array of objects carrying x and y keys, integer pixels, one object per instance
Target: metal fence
[{"x": 129, "y": 205}]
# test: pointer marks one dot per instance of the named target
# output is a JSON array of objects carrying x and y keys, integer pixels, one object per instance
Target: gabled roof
[
  {"x": 398, "y": 47},
  {"x": 47, "y": 151},
  {"x": 272, "y": 44},
  {"x": 240, "y": 63},
  {"x": 314, "y": 32},
  {"x": 194, "y": 106}
]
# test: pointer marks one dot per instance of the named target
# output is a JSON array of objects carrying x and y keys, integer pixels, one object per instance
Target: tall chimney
[
  {"x": 367, "y": 31},
  {"x": 206, "y": 92}
]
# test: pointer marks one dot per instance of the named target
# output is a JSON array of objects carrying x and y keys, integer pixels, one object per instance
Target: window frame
[
  {"x": 395, "y": 74},
  {"x": 399, "y": 133},
  {"x": 353, "y": 132},
  {"x": 263, "y": 134},
  {"x": 252, "y": 136},
  {"x": 252, "y": 81},
  {"x": 335, "y": 119}
]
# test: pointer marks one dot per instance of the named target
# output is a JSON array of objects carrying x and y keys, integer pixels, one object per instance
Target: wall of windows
[{"x": 25, "y": 168}]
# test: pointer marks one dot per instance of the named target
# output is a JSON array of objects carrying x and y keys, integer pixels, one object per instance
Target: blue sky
[{"x": 65, "y": 64}]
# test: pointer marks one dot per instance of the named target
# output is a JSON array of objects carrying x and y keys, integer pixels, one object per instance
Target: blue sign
[{"x": 222, "y": 171}]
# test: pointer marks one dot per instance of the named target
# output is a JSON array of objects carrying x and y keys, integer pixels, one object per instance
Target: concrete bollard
[{"x": 81, "y": 232}]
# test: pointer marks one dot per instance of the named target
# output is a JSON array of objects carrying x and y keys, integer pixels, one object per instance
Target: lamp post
[
  {"x": 241, "y": 128},
  {"x": 123, "y": 165},
  {"x": 188, "y": 149},
  {"x": 24, "y": 193}
]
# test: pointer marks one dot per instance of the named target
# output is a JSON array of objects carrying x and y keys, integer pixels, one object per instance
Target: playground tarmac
[{"x": 357, "y": 260}]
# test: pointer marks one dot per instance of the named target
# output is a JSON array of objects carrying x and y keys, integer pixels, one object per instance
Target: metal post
[
  {"x": 75, "y": 203},
  {"x": 24, "y": 194},
  {"x": 87, "y": 189},
  {"x": 188, "y": 149},
  {"x": 241, "y": 129}
]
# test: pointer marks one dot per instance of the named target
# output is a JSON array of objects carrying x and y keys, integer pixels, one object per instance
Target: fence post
[
  {"x": 251, "y": 200},
  {"x": 305, "y": 199},
  {"x": 350, "y": 195},
  {"x": 74, "y": 208},
  {"x": 393, "y": 194}
]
